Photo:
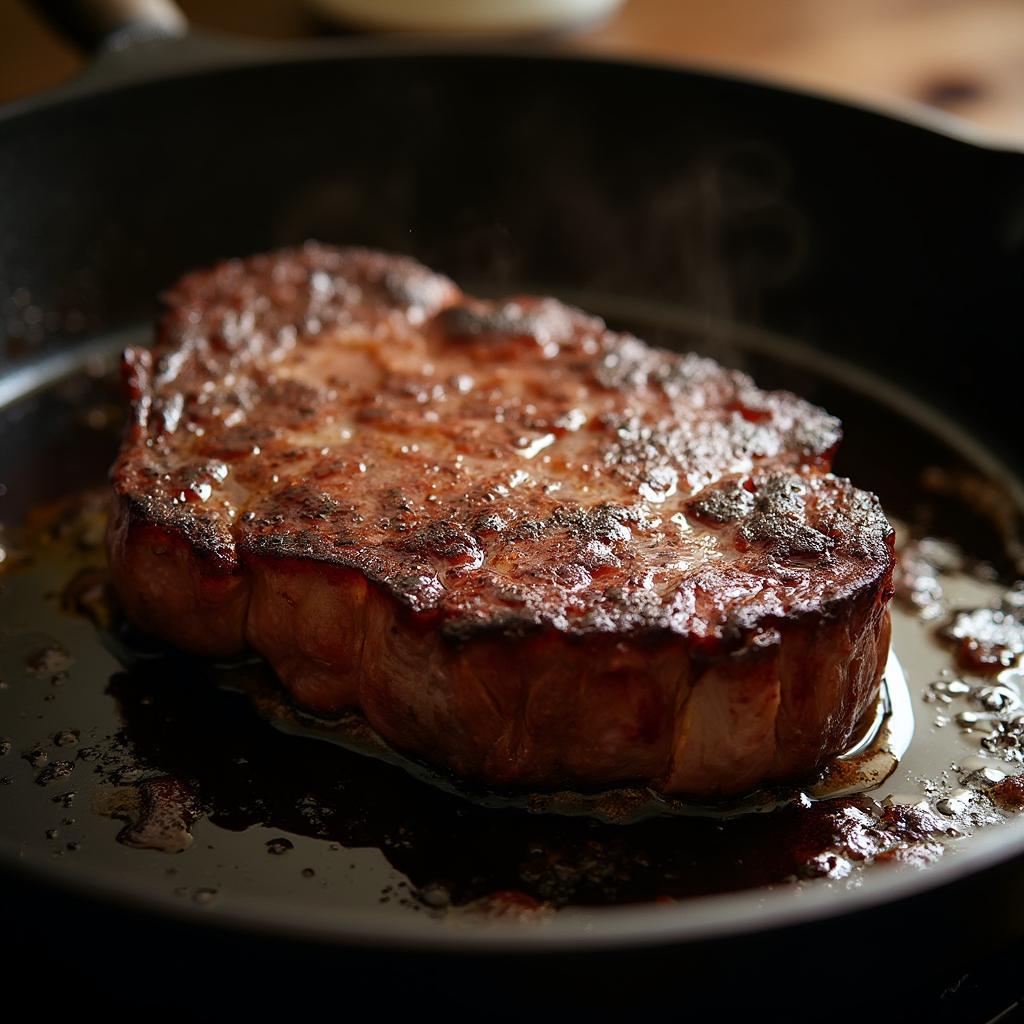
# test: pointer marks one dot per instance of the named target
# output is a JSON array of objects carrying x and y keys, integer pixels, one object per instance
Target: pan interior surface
[{"x": 156, "y": 782}]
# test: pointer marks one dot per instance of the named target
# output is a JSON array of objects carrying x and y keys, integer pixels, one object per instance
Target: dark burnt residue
[
  {"x": 199, "y": 531},
  {"x": 987, "y": 639},
  {"x": 1008, "y": 795},
  {"x": 55, "y": 771},
  {"x": 779, "y": 516},
  {"x": 445, "y": 541},
  {"x": 597, "y": 538},
  {"x": 159, "y": 813},
  {"x": 771, "y": 509},
  {"x": 728, "y": 502},
  {"x": 782, "y": 516}
]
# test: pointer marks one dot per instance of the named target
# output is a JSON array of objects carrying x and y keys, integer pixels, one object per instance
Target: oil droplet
[
  {"x": 975, "y": 720},
  {"x": 984, "y": 777},
  {"x": 308, "y": 872},
  {"x": 954, "y": 804},
  {"x": 996, "y": 698},
  {"x": 279, "y": 846}
]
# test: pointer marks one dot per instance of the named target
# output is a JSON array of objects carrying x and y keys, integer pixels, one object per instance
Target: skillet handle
[{"x": 98, "y": 25}]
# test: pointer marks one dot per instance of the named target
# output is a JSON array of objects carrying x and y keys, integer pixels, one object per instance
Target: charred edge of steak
[{"x": 648, "y": 625}]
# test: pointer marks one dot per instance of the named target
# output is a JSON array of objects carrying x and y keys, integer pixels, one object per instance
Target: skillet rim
[
  {"x": 204, "y": 53},
  {"x": 738, "y": 915}
]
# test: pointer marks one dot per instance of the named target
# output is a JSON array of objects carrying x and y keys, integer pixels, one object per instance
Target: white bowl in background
[{"x": 473, "y": 16}]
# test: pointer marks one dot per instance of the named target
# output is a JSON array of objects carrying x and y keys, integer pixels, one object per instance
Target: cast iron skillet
[{"x": 894, "y": 241}]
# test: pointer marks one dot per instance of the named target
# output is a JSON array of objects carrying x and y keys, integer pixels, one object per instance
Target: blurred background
[{"x": 962, "y": 56}]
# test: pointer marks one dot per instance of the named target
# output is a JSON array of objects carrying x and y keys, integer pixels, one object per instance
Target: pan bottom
[{"x": 270, "y": 825}]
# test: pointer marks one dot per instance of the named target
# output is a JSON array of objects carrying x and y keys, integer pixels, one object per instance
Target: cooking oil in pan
[{"x": 179, "y": 760}]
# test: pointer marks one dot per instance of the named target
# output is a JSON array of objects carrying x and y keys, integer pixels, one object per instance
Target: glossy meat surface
[{"x": 525, "y": 546}]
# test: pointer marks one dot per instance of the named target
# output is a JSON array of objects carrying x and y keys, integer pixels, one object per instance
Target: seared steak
[{"x": 526, "y": 547}]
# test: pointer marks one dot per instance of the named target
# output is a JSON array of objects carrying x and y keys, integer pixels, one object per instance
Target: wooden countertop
[{"x": 964, "y": 56}]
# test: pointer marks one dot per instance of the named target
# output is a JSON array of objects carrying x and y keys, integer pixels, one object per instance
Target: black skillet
[{"x": 672, "y": 201}]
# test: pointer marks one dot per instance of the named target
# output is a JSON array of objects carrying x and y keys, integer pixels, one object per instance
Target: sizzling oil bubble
[
  {"x": 529, "y": 447},
  {"x": 997, "y": 698},
  {"x": 996, "y": 717},
  {"x": 919, "y": 571},
  {"x": 983, "y": 778},
  {"x": 279, "y": 846},
  {"x": 955, "y": 804}
]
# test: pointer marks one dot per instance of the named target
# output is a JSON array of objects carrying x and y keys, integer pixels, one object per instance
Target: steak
[{"x": 526, "y": 547}]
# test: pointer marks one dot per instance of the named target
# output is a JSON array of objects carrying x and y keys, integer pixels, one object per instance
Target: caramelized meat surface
[{"x": 526, "y": 547}]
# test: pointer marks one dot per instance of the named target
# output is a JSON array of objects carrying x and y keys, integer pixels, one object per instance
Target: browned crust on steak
[{"x": 527, "y": 547}]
